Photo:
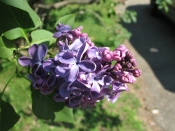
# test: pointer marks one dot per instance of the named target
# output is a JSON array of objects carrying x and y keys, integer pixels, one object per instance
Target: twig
[{"x": 58, "y": 5}]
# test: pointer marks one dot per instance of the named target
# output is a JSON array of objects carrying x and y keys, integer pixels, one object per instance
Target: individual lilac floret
[
  {"x": 63, "y": 31},
  {"x": 36, "y": 53},
  {"x": 107, "y": 55},
  {"x": 45, "y": 85},
  {"x": 118, "y": 87},
  {"x": 77, "y": 32},
  {"x": 85, "y": 39}
]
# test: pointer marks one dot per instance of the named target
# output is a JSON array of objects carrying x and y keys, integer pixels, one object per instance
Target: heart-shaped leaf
[
  {"x": 65, "y": 115},
  {"x": 15, "y": 33},
  {"x": 44, "y": 107},
  {"x": 67, "y": 20},
  {"x": 39, "y": 36},
  {"x": 6, "y": 47},
  {"x": 17, "y": 13},
  {"x": 8, "y": 116}
]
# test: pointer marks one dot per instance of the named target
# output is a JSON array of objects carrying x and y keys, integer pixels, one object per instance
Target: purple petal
[
  {"x": 39, "y": 83},
  {"x": 52, "y": 71},
  {"x": 81, "y": 51},
  {"x": 46, "y": 91},
  {"x": 75, "y": 100},
  {"x": 40, "y": 72},
  {"x": 24, "y": 61},
  {"x": 95, "y": 90},
  {"x": 93, "y": 52},
  {"x": 63, "y": 46},
  {"x": 42, "y": 51},
  {"x": 70, "y": 106},
  {"x": 87, "y": 65},
  {"x": 103, "y": 70},
  {"x": 73, "y": 73},
  {"x": 65, "y": 28},
  {"x": 83, "y": 86},
  {"x": 31, "y": 77},
  {"x": 33, "y": 51},
  {"x": 57, "y": 34},
  {"x": 113, "y": 98},
  {"x": 61, "y": 70},
  {"x": 75, "y": 45},
  {"x": 58, "y": 98},
  {"x": 51, "y": 81},
  {"x": 47, "y": 64},
  {"x": 64, "y": 89},
  {"x": 65, "y": 57},
  {"x": 106, "y": 91},
  {"x": 106, "y": 80},
  {"x": 118, "y": 86},
  {"x": 76, "y": 91}
]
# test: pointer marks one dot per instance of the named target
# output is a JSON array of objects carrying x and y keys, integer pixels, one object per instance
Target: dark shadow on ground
[{"x": 154, "y": 39}]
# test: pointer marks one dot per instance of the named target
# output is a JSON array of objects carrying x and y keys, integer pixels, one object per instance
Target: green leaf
[
  {"x": 67, "y": 20},
  {"x": 65, "y": 115},
  {"x": 17, "y": 13},
  {"x": 15, "y": 33},
  {"x": 8, "y": 116},
  {"x": 6, "y": 47},
  {"x": 39, "y": 36},
  {"x": 45, "y": 108}
]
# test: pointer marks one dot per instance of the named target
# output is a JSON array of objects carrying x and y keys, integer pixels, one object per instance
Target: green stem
[
  {"x": 25, "y": 36},
  {"x": 7, "y": 85},
  {"x": 50, "y": 54},
  {"x": 28, "y": 42},
  {"x": 17, "y": 72}
]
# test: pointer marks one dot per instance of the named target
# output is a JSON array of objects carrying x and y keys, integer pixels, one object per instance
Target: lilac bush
[{"x": 81, "y": 73}]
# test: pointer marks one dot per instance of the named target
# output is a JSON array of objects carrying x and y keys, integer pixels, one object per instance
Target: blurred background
[{"x": 147, "y": 31}]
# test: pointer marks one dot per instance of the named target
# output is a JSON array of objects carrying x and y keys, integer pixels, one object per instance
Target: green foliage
[
  {"x": 8, "y": 116},
  {"x": 99, "y": 20},
  {"x": 129, "y": 16},
  {"x": 15, "y": 33},
  {"x": 40, "y": 102},
  {"x": 163, "y": 4},
  {"x": 6, "y": 47},
  {"x": 65, "y": 115},
  {"x": 17, "y": 13},
  {"x": 39, "y": 36},
  {"x": 67, "y": 20}
]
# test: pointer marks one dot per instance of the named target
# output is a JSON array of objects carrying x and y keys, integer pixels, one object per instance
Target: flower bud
[
  {"x": 136, "y": 72},
  {"x": 117, "y": 55},
  {"x": 122, "y": 48},
  {"x": 77, "y": 32},
  {"x": 128, "y": 77},
  {"x": 107, "y": 55},
  {"x": 84, "y": 35},
  {"x": 117, "y": 67}
]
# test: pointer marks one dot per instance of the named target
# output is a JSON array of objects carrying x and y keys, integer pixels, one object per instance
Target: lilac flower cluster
[{"x": 81, "y": 73}]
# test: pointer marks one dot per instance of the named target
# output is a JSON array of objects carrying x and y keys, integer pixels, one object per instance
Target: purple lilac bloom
[
  {"x": 36, "y": 53},
  {"x": 80, "y": 74}
]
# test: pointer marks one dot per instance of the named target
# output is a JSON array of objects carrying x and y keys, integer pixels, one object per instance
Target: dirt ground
[
  {"x": 153, "y": 45},
  {"x": 145, "y": 112}
]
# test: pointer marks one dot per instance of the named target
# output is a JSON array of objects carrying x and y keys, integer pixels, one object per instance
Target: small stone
[
  {"x": 155, "y": 111},
  {"x": 154, "y": 50},
  {"x": 152, "y": 123}
]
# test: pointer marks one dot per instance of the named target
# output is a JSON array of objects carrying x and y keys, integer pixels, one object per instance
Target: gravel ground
[{"x": 153, "y": 44}]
